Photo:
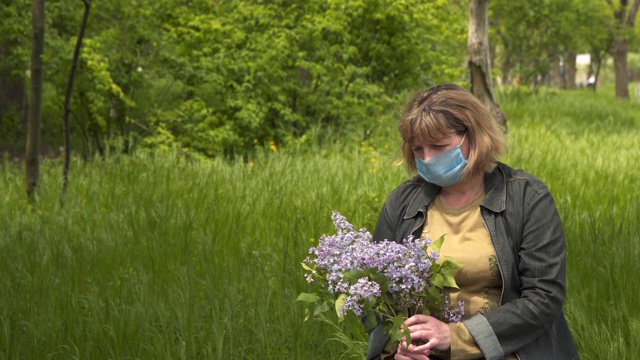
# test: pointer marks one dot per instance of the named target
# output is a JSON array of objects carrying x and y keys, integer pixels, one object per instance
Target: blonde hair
[{"x": 444, "y": 110}]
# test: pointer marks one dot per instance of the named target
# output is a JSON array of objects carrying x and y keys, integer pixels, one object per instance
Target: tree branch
[{"x": 67, "y": 102}]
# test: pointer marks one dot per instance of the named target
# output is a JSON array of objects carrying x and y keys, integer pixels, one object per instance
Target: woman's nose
[{"x": 425, "y": 155}]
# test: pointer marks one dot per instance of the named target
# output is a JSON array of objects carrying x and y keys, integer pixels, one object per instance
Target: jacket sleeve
[
  {"x": 403, "y": 211},
  {"x": 385, "y": 226},
  {"x": 536, "y": 272}
]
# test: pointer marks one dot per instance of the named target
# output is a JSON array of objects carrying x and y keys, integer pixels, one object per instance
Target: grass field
[{"x": 163, "y": 258}]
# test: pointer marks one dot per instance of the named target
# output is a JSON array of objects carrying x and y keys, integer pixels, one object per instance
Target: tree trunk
[
  {"x": 570, "y": 70},
  {"x": 597, "y": 58},
  {"x": 625, "y": 15},
  {"x": 67, "y": 102},
  {"x": 32, "y": 153},
  {"x": 619, "y": 50},
  {"x": 478, "y": 61},
  {"x": 557, "y": 75},
  {"x": 505, "y": 69}
]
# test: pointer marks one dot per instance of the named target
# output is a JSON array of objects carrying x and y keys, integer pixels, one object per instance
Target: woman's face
[{"x": 427, "y": 150}]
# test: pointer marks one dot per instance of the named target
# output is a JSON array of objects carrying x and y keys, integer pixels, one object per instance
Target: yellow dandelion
[
  {"x": 372, "y": 160},
  {"x": 251, "y": 163},
  {"x": 312, "y": 240}
]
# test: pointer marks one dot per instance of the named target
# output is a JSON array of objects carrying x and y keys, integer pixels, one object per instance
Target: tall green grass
[{"x": 164, "y": 258}]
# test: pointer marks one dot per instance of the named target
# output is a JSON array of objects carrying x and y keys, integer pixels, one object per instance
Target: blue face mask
[{"x": 443, "y": 169}]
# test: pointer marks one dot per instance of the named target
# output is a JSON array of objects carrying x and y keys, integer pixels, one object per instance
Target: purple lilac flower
[
  {"x": 433, "y": 255},
  {"x": 341, "y": 223},
  {"x": 361, "y": 290},
  {"x": 405, "y": 265},
  {"x": 450, "y": 314}
]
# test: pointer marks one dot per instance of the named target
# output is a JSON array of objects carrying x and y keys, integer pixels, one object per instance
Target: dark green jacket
[{"x": 527, "y": 235}]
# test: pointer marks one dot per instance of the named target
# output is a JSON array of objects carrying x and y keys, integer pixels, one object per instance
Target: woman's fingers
[
  {"x": 419, "y": 319},
  {"x": 427, "y": 333},
  {"x": 408, "y": 355}
]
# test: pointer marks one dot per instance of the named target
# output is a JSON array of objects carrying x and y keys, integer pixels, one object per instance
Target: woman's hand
[{"x": 433, "y": 333}]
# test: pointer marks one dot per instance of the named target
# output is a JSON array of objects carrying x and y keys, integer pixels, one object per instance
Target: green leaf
[
  {"x": 371, "y": 322},
  {"x": 307, "y": 314},
  {"x": 306, "y": 267},
  {"x": 438, "y": 280},
  {"x": 434, "y": 295},
  {"x": 452, "y": 263},
  {"x": 308, "y": 297},
  {"x": 437, "y": 243},
  {"x": 449, "y": 281},
  {"x": 354, "y": 275},
  {"x": 395, "y": 331},
  {"x": 339, "y": 304},
  {"x": 321, "y": 308}
]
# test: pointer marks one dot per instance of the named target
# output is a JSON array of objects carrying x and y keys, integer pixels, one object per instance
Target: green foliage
[
  {"x": 193, "y": 126},
  {"x": 15, "y": 40},
  {"x": 266, "y": 71},
  {"x": 531, "y": 36},
  {"x": 633, "y": 63},
  {"x": 272, "y": 70}
]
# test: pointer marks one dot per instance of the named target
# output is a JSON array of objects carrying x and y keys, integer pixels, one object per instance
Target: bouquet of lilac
[{"x": 382, "y": 282}]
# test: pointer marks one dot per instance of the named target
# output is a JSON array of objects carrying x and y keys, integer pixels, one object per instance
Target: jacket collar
[{"x": 495, "y": 186}]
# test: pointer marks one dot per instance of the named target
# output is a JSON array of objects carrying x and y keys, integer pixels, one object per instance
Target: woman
[{"x": 501, "y": 224}]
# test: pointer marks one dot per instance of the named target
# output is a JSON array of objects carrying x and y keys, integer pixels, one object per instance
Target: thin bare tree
[
  {"x": 67, "y": 102},
  {"x": 32, "y": 152}
]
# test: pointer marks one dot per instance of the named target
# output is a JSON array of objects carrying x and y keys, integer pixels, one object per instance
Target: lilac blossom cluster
[
  {"x": 453, "y": 314},
  {"x": 406, "y": 266}
]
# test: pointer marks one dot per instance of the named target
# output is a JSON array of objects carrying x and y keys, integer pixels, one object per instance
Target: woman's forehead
[
  {"x": 429, "y": 134},
  {"x": 433, "y": 139}
]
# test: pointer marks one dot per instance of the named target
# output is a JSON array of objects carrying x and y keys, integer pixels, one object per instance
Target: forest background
[
  {"x": 223, "y": 78},
  {"x": 212, "y": 139}
]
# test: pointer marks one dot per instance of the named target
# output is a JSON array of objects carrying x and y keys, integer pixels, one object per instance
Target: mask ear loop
[{"x": 465, "y": 135}]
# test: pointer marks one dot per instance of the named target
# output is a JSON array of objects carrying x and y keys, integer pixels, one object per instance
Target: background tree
[
  {"x": 35, "y": 99},
  {"x": 593, "y": 34},
  {"x": 14, "y": 63},
  {"x": 624, "y": 13},
  {"x": 533, "y": 38},
  {"x": 478, "y": 59}
]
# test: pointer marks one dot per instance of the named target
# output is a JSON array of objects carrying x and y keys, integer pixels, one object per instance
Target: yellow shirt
[
  {"x": 468, "y": 242},
  {"x": 480, "y": 283}
]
